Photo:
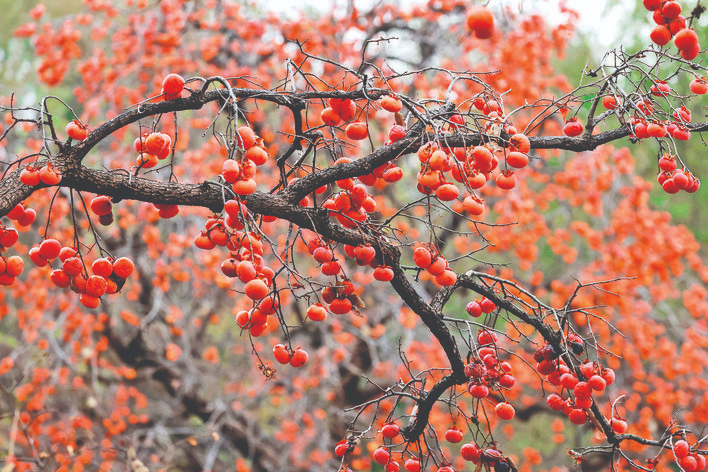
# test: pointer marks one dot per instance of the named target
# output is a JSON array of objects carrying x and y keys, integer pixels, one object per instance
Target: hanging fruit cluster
[
  {"x": 579, "y": 391},
  {"x": 689, "y": 461},
  {"x": 670, "y": 23},
  {"x": 352, "y": 205},
  {"x": 435, "y": 264},
  {"x": 107, "y": 275},
  {"x": 673, "y": 180},
  {"x": 473, "y": 167},
  {"x": 240, "y": 172},
  {"x": 152, "y": 148},
  {"x": 486, "y": 371},
  {"x": 12, "y": 266}
]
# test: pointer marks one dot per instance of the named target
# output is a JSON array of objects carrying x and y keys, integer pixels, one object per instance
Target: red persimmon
[
  {"x": 173, "y": 84},
  {"x": 76, "y": 130}
]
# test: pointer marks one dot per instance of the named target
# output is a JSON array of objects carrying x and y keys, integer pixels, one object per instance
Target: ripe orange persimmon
[
  {"x": 30, "y": 176},
  {"x": 577, "y": 416},
  {"x": 257, "y": 155},
  {"x": 357, "y": 131},
  {"x": 447, "y": 278},
  {"x": 347, "y": 110},
  {"x": 123, "y": 267},
  {"x": 330, "y": 268},
  {"x": 473, "y": 205},
  {"x": 146, "y": 160},
  {"x": 383, "y": 274},
  {"x": 60, "y": 278},
  {"x": 49, "y": 249},
  {"x": 230, "y": 170},
  {"x": 229, "y": 267},
  {"x": 202, "y": 241},
  {"x": 520, "y": 142},
  {"x": 422, "y": 257},
  {"x": 447, "y": 192},
  {"x": 438, "y": 266},
  {"x": 396, "y": 133},
  {"x": 281, "y": 353},
  {"x": 506, "y": 180},
  {"x": 340, "y": 306},
  {"x": 173, "y": 84},
  {"x": 317, "y": 312},
  {"x": 692, "y": 53},
  {"x": 391, "y": 104},
  {"x": 101, "y": 205},
  {"x": 610, "y": 102},
  {"x": 671, "y": 10},
  {"x": 425, "y": 151},
  {"x": 14, "y": 266},
  {"x": 246, "y": 271},
  {"x": 517, "y": 160},
  {"x": 49, "y": 175},
  {"x": 154, "y": 143},
  {"x": 330, "y": 117},
  {"x": 660, "y": 35},
  {"x": 244, "y": 186},
  {"x": 480, "y": 21},
  {"x": 382, "y": 456},
  {"x": 72, "y": 266},
  {"x": 8, "y": 237},
  {"x": 439, "y": 160},
  {"x": 686, "y": 39},
  {"x": 66, "y": 252},
  {"x": 102, "y": 267},
  {"x": 96, "y": 286},
  {"x": 471, "y": 452},
  {"x": 256, "y": 289},
  {"x": 390, "y": 430},
  {"x": 573, "y": 127},
  {"x": 393, "y": 174},
  {"x": 247, "y": 137},
  {"x": 299, "y": 358},
  {"x": 453, "y": 435},
  {"x": 656, "y": 130},
  {"x": 322, "y": 254},
  {"x": 505, "y": 411},
  {"x": 76, "y": 130},
  {"x": 33, "y": 254},
  {"x": 89, "y": 301},
  {"x": 699, "y": 86},
  {"x": 167, "y": 211}
]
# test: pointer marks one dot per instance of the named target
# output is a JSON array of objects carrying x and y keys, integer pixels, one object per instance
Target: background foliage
[{"x": 161, "y": 377}]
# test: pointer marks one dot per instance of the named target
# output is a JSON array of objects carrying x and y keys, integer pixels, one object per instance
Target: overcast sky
[{"x": 594, "y": 14}]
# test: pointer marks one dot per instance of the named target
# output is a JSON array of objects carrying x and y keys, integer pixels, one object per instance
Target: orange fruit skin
[{"x": 481, "y": 21}]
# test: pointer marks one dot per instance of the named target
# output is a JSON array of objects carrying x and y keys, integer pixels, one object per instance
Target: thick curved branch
[
  {"x": 124, "y": 186},
  {"x": 13, "y": 191},
  {"x": 426, "y": 403},
  {"x": 294, "y": 101}
]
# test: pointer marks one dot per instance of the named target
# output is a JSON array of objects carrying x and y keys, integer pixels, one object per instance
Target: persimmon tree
[{"x": 373, "y": 240}]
